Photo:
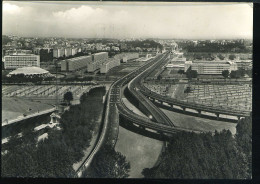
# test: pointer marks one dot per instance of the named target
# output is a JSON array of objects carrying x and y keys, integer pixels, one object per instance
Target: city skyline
[{"x": 128, "y": 20}]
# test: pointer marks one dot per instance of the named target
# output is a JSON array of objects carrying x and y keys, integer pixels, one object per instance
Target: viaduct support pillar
[
  {"x": 199, "y": 113},
  {"x": 217, "y": 114},
  {"x": 142, "y": 127}
]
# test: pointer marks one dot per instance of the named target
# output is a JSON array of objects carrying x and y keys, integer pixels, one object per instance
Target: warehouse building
[
  {"x": 76, "y": 63},
  {"x": 21, "y": 60},
  {"x": 108, "y": 64}
]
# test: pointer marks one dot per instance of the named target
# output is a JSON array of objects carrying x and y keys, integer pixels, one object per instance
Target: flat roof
[
  {"x": 76, "y": 58},
  {"x": 100, "y": 53}
]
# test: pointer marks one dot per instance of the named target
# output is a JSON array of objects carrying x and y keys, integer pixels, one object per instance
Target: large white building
[
  {"x": 108, "y": 64},
  {"x": 213, "y": 67},
  {"x": 74, "y": 51},
  {"x": 58, "y": 52},
  {"x": 76, "y": 63},
  {"x": 21, "y": 60},
  {"x": 68, "y": 52},
  {"x": 30, "y": 72},
  {"x": 99, "y": 56}
]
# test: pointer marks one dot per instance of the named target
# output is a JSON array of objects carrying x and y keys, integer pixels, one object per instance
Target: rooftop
[{"x": 28, "y": 71}]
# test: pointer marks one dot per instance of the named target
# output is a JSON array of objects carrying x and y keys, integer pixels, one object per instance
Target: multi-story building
[
  {"x": 58, "y": 52},
  {"x": 76, "y": 63},
  {"x": 213, "y": 67},
  {"x": 74, "y": 51},
  {"x": 93, "y": 66},
  {"x": 99, "y": 56},
  {"x": 21, "y": 60},
  {"x": 109, "y": 64},
  {"x": 68, "y": 52}
]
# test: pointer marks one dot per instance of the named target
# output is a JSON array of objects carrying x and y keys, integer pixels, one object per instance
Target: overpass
[
  {"x": 158, "y": 121},
  {"x": 28, "y": 116},
  {"x": 138, "y": 83}
]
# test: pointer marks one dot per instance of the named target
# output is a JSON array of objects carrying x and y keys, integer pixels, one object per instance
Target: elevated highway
[
  {"x": 158, "y": 122},
  {"x": 138, "y": 83}
]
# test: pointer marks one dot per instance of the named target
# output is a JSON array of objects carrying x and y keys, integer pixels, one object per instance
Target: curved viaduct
[
  {"x": 158, "y": 121},
  {"x": 138, "y": 83}
]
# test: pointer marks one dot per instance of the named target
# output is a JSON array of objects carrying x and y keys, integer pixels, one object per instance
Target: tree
[
  {"x": 225, "y": 73},
  {"x": 180, "y": 71},
  {"x": 221, "y": 57},
  {"x": 232, "y": 57},
  {"x": 191, "y": 74},
  {"x": 233, "y": 74},
  {"x": 109, "y": 164},
  {"x": 68, "y": 97}
]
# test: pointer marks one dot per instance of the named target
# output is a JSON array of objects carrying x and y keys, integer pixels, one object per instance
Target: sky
[{"x": 128, "y": 20}]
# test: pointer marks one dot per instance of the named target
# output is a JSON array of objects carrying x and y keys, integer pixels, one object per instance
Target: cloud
[
  {"x": 173, "y": 20},
  {"x": 11, "y": 9}
]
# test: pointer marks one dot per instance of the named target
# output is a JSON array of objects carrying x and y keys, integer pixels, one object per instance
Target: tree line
[{"x": 207, "y": 155}]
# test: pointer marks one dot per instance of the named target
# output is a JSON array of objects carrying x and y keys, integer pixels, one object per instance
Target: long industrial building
[
  {"x": 124, "y": 57},
  {"x": 108, "y": 64},
  {"x": 21, "y": 60},
  {"x": 75, "y": 63}
]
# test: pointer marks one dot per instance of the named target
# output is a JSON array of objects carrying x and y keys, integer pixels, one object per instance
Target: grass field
[
  {"x": 14, "y": 107},
  {"x": 186, "y": 121}
]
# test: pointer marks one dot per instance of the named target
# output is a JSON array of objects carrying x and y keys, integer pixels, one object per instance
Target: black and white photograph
[{"x": 148, "y": 90}]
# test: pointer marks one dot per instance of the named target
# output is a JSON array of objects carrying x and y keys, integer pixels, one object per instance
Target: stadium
[{"x": 30, "y": 72}]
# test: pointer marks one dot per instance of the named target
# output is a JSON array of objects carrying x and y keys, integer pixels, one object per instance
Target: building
[
  {"x": 68, "y": 52},
  {"x": 244, "y": 64},
  {"x": 109, "y": 64},
  {"x": 99, "y": 56},
  {"x": 58, "y": 52},
  {"x": 213, "y": 67},
  {"x": 74, "y": 51},
  {"x": 21, "y": 60},
  {"x": 30, "y": 71},
  {"x": 76, "y": 63},
  {"x": 93, "y": 66},
  {"x": 124, "y": 57},
  {"x": 176, "y": 66},
  {"x": 187, "y": 65}
]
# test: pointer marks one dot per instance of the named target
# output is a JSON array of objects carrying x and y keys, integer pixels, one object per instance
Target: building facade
[
  {"x": 76, "y": 63},
  {"x": 58, "y": 52},
  {"x": 19, "y": 61},
  {"x": 124, "y": 57},
  {"x": 109, "y": 64},
  {"x": 213, "y": 67},
  {"x": 99, "y": 56}
]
